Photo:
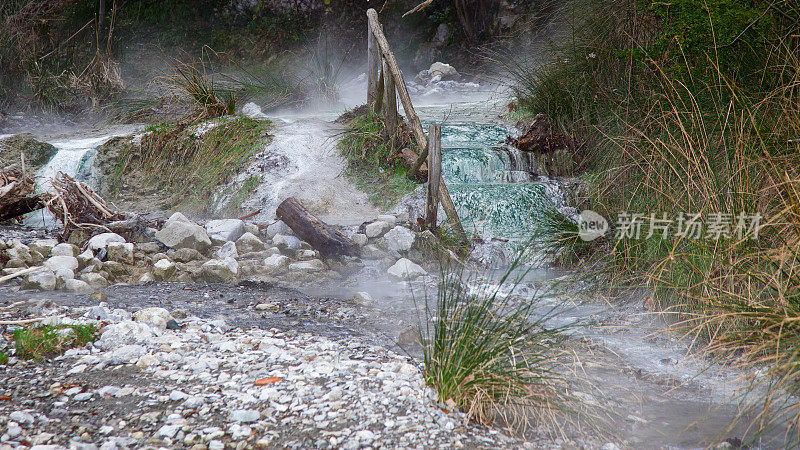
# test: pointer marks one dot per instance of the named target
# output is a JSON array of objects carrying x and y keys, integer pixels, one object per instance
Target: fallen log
[
  {"x": 17, "y": 195},
  {"x": 324, "y": 238}
]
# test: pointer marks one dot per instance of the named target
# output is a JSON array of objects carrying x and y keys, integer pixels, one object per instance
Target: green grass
[
  {"x": 492, "y": 355},
  {"x": 365, "y": 146},
  {"x": 50, "y": 340},
  {"x": 3, "y": 359},
  {"x": 190, "y": 168}
]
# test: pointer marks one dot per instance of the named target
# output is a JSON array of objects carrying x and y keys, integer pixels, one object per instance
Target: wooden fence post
[
  {"x": 434, "y": 174},
  {"x": 389, "y": 92},
  {"x": 373, "y": 65}
]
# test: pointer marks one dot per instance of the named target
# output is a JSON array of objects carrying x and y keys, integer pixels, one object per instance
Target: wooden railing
[{"x": 384, "y": 82}]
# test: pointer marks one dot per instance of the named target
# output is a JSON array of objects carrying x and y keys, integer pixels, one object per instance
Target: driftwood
[
  {"x": 17, "y": 195},
  {"x": 328, "y": 241},
  {"x": 77, "y": 206}
]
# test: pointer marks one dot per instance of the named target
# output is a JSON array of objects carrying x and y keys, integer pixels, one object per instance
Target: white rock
[
  {"x": 120, "y": 252},
  {"x": 220, "y": 270},
  {"x": 388, "y": 218},
  {"x": 253, "y": 111},
  {"x": 77, "y": 286},
  {"x": 400, "y": 239},
  {"x": 63, "y": 249},
  {"x": 376, "y": 228},
  {"x": 285, "y": 242},
  {"x": 249, "y": 242},
  {"x": 155, "y": 316},
  {"x": 278, "y": 228},
  {"x": 95, "y": 280},
  {"x": 126, "y": 354},
  {"x": 177, "y": 217},
  {"x": 126, "y": 332},
  {"x": 245, "y": 415},
  {"x": 228, "y": 250},
  {"x": 362, "y": 298},
  {"x": 177, "y": 396},
  {"x": 102, "y": 240},
  {"x": 163, "y": 269},
  {"x": 276, "y": 263},
  {"x": 84, "y": 258},
  {"x": 405, "y": 269},
  {"x": 21, "y": 417},
  {"x": 360, "y": 239},
  {"x": 314, "y": 265},
  {"x": 168, "y": 431},
  {"x": 44, "y": 280},
  {"x": 62, "y": 275},
  {"x": 225, "y": 230},
  {"x": 62, "y": 262},
  {"x": 180, "y": 234},
  {"x": 444, "y": 71}
]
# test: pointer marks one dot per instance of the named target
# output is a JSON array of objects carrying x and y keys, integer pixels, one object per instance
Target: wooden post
[
  {"x": 376, "y": 107},
  {"x": 373, "y": 64},
  {"x": 434, "y": 174},
  {"x": 390, "y": 112}
]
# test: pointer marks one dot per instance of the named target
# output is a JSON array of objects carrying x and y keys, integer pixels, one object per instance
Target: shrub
[{"x": 49, "y": 340}]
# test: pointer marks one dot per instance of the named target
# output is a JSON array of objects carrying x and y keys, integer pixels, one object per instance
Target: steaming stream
[{"x": 663, "y": 395}]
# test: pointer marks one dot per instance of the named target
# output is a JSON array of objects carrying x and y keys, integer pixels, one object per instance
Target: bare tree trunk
[{"x": 101, "y": 23}]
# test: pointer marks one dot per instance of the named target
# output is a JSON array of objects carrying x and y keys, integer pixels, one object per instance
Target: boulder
[
  {"x": 148, "y": 247},
  {"x": 362, "y": 298},
  {"x": 225, "y": 230},
  {"x": 62, "y": 276},
  {"x": 399, "y": 239},
  {"x": 278, "y": 228},
  {"x": 360, "y": 239},
  {"x": 44, "y": 280},
  {"x": 157, "y": 317},
  {"x": 442, "y": 71},
  {"x": 95, "y": 280},
  {"x": 177, "y": 217},
  {"x": 405, "y": 269},
  {"x": 124, "y": 333},
  {"x": 84, "y": 258},
  {"x": 43, "y": 246},
  {"x": 314, "y": 265},
  {"x": 37, "y": 153},
  {"x": 376, "y": 229},
  {"x": 284, "y": 242},
  {"x": 102, "y": 240},
  {"x": 276, "y": 263},
  {"x": 185, "y": 255},
  {"x": 121, "y": 252},
  {"x": 19, "y": 251},
  {"x": 63, "y": 249},
  {"x": 228, "y": 250},
  {"x": 248, "y": 243},
  {"x": 184, "y": 234},
  {"x": 220, "y": 270},
  {"x": 388, "y": 218},
  {"x": 78, "y": 286},
  {"x": 163, "y": 269},
  {"x": 62, "y": 262}
]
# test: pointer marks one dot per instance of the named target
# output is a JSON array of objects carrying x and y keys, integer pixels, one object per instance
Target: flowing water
[{"x": 662, "y": 395}]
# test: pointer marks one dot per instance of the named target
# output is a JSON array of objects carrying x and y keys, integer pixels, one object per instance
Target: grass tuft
[
  {"x": 370, "y": 164},
  {"x": 491, "y": 354},
  {"x": 50, "y": 340}
]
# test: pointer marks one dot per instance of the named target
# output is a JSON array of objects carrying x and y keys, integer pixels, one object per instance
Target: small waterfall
[{"x": 492, "y": 188}]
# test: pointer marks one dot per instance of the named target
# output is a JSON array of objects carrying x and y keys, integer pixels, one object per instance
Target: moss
[
  {"x": 3, "y": 359},
  {"x": 189, "y": 161},
  {"x": 50, "y": 340},
  {"x": 370, "y": 167}
]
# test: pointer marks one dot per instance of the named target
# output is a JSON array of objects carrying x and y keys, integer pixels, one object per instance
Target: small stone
[
  {"x": 405, "y": 269},
  {"x": 219, "y": 270},
  {"x": 245, "y": 415},
  {"x": 173, "y": 325},
  {"x": 400, "y": 239},
  {"x": 155, "y": 316},
  {"x": 44, "y": 280},
  {"x": 177, "y": 396},
  {"x": 248, "y": 243},
  {"x": 78, "y": 286},
  {"x": 228, "y": 250},
  {"x": 285, "y": 243},
  {"x": 277, "y": 228},
  {"x": 164, "y": 269},
  {"x": 62, "y": 262},
  {"x": 276, "y": 263},
  {"x": 102, "y": 240},
  {"x": 185, "y": 255},
  {"x": 362, "y": 298},
  {"x": 360, "y": 239},
  {"x": 315, "y": 265},
  {"x": 99, "y": 296},
  {"x": 121, "y": 252},
  {"x": 62, "y": 249},
  {"x": 225, "y": 230},
  {"x": 95, "y": 280},
  {"x": 168, "y": 431}
]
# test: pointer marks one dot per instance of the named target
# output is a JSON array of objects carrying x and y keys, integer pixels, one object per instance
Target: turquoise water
[{"x": 490, "y": 186}]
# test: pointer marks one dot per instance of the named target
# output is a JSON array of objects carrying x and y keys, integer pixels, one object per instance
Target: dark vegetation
[{"x": 690, "y": 107}]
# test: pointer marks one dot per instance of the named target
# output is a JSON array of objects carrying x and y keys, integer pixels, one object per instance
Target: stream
[{"x": 655, "y": 391}]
